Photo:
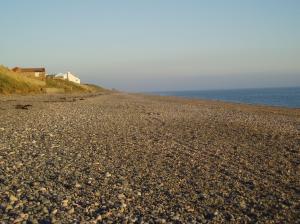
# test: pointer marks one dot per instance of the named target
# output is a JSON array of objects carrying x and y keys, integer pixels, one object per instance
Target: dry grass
[
  {"x": 63, "y": 84},
  {"x": 12, "y": 82},
  {"x": 93, "y": 88}
]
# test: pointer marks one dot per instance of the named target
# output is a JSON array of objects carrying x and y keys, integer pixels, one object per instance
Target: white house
[{"x": 68, "y": 76}]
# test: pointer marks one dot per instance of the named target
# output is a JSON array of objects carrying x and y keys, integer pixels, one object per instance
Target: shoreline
[
  {"x": 237, "y": 105},
  {"x": 120, "y": 157},
  {"x": 225, "y": 101},
  {"x": 180, "y": 98},
  {"x": 275, "y": 97}
]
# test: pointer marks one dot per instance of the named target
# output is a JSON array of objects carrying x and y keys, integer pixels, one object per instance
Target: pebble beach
[{"x": 133, "y": 158}]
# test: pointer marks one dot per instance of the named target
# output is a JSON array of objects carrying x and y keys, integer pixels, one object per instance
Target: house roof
[{"x": 17, "y": 69}]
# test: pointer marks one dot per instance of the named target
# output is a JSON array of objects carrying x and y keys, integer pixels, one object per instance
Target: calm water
[{"x": 285, "y": 97}]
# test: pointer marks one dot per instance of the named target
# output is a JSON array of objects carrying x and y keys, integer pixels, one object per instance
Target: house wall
[
  {"x": 61, "y": 76},
  {"x": 72, "y": 78},
  {"x": 34, "y": 74},
  {"x": 68, "y": 76}
]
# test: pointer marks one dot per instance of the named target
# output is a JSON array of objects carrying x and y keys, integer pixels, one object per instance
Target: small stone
[
  {"x": 77, "y": 185},
  {"x": 99, "y": 218},
  {"x": 122, "y": 209},
  {"x": 190, "y": 209},
  {"x": 8, "y": 207},
  {"x": 45, "y": 210},
  {"x": 54, "y": 212},
  {"x": 176, "y": 217},
  {"x": 71, "y": 211},
  {"x": 24, "y": 216},
  {"x": 121, "y": 196},
  {"x": 162, "y": 221},
  {"x": 19, "y": 164},
  {"x": 108, "y": 174},
  {"x": 65, "y": 203},
  {"x": 243, "y": 204},
  {"x": 134, "y": 220},
  {"x": 107, "y": 214},
  {"x": 12, "y": 198},
  {"x": 18, "y": 220},
  {"x": 43, "y": 189}
]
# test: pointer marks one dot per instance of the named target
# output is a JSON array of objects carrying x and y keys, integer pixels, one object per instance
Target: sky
[{"x": 157, "y": 45}]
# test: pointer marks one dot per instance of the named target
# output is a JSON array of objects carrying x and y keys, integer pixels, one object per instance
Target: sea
[{"x": 281, "y": 97}]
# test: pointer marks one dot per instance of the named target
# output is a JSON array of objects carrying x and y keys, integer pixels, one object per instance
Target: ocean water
[{"x": 283, "y": 97}]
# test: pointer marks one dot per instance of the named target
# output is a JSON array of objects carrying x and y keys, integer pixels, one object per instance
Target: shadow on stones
[{"x": 23, "y": 107}]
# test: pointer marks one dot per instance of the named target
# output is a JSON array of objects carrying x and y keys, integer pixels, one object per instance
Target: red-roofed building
[{"x": 35, "y": 72}]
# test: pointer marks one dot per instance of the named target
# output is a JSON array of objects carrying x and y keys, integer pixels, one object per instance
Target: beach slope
[{"x": 123, "y": 157}]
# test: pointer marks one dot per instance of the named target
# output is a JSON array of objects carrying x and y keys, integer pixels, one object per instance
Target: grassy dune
[
  {"x": 66, "y": 85},
  {"x": 12, "y": 82}
]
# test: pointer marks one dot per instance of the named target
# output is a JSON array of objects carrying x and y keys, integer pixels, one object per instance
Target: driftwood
[{"x": 23, "y": 107}]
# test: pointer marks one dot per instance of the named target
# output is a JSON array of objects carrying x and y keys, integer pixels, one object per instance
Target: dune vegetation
[
  {"x": 11, "y": 82},
  {"x": 17, "y": 83}
]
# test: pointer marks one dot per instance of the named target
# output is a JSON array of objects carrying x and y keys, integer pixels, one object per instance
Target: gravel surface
[{"x": 123, "y": 158}]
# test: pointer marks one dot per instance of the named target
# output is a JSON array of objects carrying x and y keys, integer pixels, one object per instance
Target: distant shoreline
[{"x": 287, "y": 97}]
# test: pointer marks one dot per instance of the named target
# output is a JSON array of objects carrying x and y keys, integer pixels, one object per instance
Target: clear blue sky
[{"x": 152, "y": 45}]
